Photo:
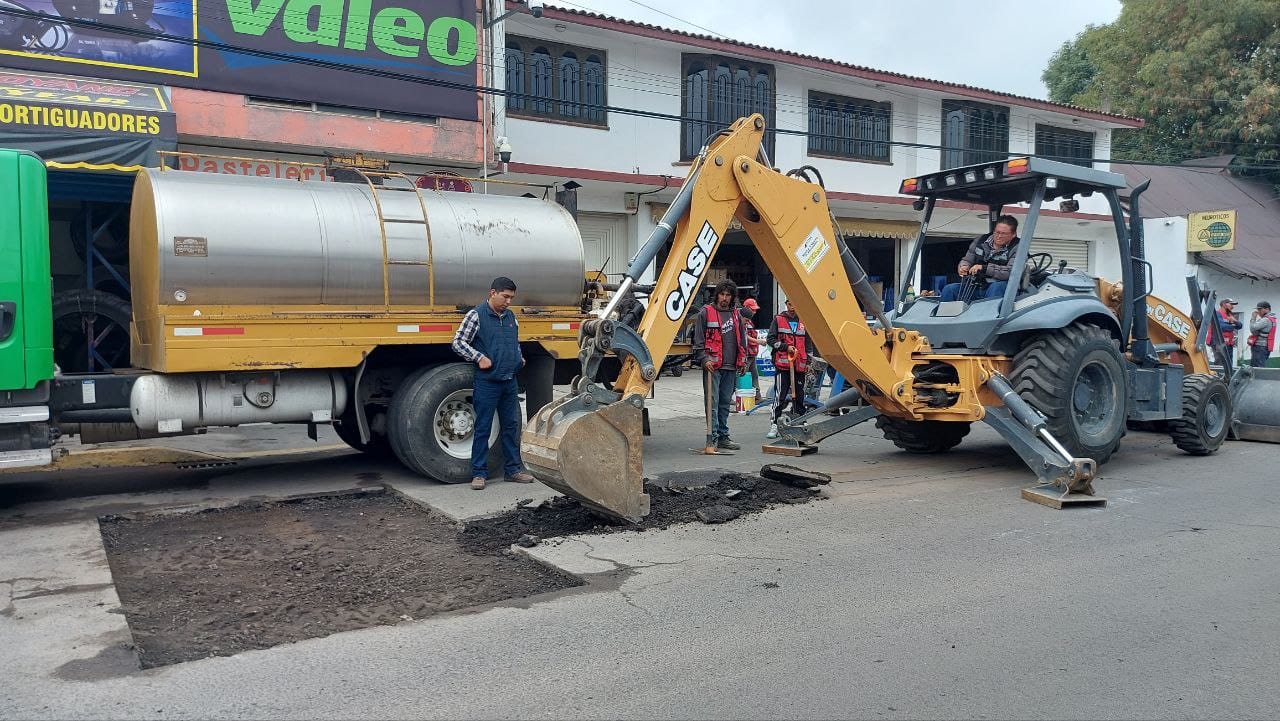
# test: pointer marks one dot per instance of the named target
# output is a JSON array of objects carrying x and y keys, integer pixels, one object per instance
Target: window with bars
[
  {"x": 973, "y": 133},
  {"x": 718, "y": 91},
  {"x": 850, "y": 128},
  {"x": 1065, "y": 145},
  {"x": 552, "y": 81}
]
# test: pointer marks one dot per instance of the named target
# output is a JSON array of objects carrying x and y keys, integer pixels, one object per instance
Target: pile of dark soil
[
  {"x": 675, "y": 498},
  {"x": 221, "y": 581}
]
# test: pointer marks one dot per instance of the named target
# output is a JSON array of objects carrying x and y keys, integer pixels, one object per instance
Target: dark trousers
[
  {"x": 1258, "y": 356},
  {"x": 501, "y": 397},
  {"x": 782, "y": 394},
  {"x": 993, "y": 290},
  {"x": 1228, "y": 356},
  {"x": 717, "y": 393}
]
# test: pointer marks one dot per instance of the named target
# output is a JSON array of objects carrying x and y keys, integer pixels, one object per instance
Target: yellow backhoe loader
[{"x": 1057, "y": 365}]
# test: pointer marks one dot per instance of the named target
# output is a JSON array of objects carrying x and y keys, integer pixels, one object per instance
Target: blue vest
[{"x": 499, "y": 339}]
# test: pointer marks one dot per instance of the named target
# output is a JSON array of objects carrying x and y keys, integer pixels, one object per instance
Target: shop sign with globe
[{"x": 1211, "y": 230}]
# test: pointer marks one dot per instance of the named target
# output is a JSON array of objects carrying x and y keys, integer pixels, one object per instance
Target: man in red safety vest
[
  {"x": 1227, "y": 327},
  {"x": 721, "y": 347},
  {"x": 792, "y": 349}
]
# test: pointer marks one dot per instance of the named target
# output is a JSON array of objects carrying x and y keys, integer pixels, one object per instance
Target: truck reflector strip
[
  {"x": 431, "y": 328},
  {"x": 565, "y": 326},
  {"x": 207, "y": 331}
]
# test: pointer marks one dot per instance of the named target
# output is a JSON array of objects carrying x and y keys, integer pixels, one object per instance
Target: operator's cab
[{"x": 1049, "y": 294}]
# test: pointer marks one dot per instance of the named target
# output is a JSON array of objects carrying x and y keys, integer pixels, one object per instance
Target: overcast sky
[{"x": 995, "y": 44}]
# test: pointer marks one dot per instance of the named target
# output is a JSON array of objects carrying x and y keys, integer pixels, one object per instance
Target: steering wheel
[{"x": 1038, "y": 268}]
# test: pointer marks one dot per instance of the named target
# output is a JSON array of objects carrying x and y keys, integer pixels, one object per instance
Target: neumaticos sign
[{"x": 420, "y": 39}]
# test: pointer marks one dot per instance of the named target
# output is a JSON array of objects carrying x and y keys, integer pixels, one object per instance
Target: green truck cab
[{"x": 26, "y": 318}]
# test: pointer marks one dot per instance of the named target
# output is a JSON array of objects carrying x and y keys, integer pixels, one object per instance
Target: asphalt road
[{"x": 921, "y": 588}]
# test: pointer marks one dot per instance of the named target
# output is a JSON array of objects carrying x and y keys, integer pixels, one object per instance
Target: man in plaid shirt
[{"x": 489, "y": 337}]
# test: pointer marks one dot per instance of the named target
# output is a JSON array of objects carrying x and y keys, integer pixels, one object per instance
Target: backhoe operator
[{"x": 987, "y": 262}]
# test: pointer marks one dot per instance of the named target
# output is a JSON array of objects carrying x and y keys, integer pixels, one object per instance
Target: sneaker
[
  {"x": 521, "y": 477},
  {"x": 477, "y": 484},
  {"x": 773, "y": 431},
  {"x": 727, "y": 444}
]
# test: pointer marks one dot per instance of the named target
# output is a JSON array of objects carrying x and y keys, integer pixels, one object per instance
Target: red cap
[{"x": 751, "y": 303}]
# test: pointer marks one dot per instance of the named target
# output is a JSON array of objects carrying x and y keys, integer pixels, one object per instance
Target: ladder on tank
[{"x": 375, "y": 189}]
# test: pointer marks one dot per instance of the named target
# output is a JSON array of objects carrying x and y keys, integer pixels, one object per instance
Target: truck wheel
[
  {"x": 431, "y": 421},
  {"x": 923, "y": 436},
  {"x": 1206, "y": 415},
  {"x": 538, "y": 378},
  {"x": 378, "y": 446},
  {"x": 1075, "y": 377}
]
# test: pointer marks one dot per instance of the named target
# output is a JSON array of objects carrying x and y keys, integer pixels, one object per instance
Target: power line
[{"x": 472, "y": 87}]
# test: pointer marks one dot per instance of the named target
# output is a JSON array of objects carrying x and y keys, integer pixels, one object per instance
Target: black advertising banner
[
  {"x": 167, "y": 42},
  {"x": 74, "y": 123}
]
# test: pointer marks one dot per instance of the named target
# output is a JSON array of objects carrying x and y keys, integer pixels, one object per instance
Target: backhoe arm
[
  {"x": 790, "y": 224},
  {"x": 588, "y": 444}
]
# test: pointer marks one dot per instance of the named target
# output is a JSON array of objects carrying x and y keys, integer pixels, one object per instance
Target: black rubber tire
[
  {"x": 411, "y": 423},
  {"x": 1206, "y": 415},
  {"x": 1056, "y": 371},
  {"x": 379, "y": 446},
  {"x": 538, "y": 378},
  {"x": 112, "y": 243},
  {"x": 677, "y": 371},
  {"x": 923, "y": 436},
  {"x": 71, "y": 309}
]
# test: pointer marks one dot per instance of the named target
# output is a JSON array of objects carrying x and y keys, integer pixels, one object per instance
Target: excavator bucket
[
  {"x": 1255, "y": 396},
  {"x": 591, "y": 452}
]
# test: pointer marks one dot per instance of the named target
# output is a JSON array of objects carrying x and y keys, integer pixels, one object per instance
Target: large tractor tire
[
  {"x": 923, "y": 436},
  {"x": 1075, "y": 376},
  {"x": 431, "y": 422},
  {"x": 1206, "y": 415}
]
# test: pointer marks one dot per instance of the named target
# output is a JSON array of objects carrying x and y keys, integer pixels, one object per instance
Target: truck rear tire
[
  {"x": 1076, "y": 378},
  {"x": 430, "y": 423},
  {"x": 1206, "y": 415},
  {"x": 923, "y": 436},
  {"x": 378, "y": 446}
]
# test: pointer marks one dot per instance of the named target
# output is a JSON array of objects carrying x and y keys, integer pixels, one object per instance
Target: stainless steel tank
[{"x": 233, "y": 240}]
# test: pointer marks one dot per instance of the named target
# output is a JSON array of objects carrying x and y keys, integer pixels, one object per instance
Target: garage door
[
  {"x": 1075, "y": 252},
  {"x": 605, "y": 238}
]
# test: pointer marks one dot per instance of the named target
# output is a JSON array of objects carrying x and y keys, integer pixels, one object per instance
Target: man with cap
[
  {"x": 1263, "y": 341},
  {"x": 1227, "y": 327},
  {"x": 749, "y": 309}
]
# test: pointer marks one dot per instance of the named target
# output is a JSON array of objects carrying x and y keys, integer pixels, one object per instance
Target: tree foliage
[{"x": 1203, "y": 74}]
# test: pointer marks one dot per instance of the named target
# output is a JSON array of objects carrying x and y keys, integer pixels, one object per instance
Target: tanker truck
[{"x": 263, "y": 300}]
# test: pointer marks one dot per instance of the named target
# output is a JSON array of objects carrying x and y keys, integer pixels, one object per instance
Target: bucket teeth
[{"x": 591, "y": 453}]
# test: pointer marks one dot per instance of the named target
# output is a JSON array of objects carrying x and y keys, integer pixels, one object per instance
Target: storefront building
[
  {"x": 102, "y": 91},
  {"x": 621, "y": 108}
]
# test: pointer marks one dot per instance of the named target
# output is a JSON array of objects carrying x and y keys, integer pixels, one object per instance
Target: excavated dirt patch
[
  {"x": 220, "y": 581},
  {"x": 674, "y": 498}
]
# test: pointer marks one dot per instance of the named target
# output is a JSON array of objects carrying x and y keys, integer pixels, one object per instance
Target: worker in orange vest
[{"x": 792, "y": 349}]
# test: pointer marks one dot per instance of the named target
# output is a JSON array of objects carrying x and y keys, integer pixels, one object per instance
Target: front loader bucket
[
  {"x": 1255, "y": 395},
  {"x": 590, "y": 452}
]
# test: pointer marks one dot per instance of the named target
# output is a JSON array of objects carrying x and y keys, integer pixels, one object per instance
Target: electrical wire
[{"x": 489, "y": 90}]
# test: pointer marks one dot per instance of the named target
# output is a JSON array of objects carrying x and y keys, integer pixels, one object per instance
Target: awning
[
  {"x": 85, "y": 124},
  {"x": 873, "y": 228}
]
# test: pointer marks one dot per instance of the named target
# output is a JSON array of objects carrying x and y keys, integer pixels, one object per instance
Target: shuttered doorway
[
  {"x": 1075, "y": 252},
  {"x": 605, "y": 238}
]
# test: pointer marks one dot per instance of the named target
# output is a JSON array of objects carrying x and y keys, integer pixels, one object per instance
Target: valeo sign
[{"x": 354, "y": 26}]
